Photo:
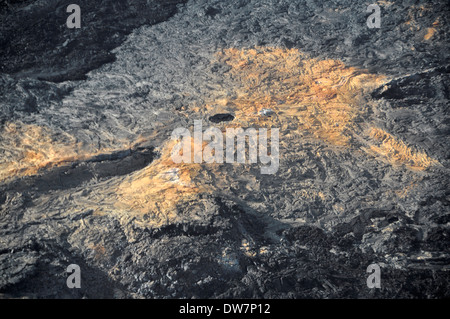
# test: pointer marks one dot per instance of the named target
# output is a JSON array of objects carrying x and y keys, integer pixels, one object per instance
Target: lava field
[{"x": 362, "y": 170}]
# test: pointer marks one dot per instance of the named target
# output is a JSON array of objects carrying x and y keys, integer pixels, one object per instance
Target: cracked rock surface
[{"x": 87, "y": 178}]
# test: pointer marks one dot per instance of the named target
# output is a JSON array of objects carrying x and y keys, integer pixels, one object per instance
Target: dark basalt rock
[{"x": 33, "y": 35}]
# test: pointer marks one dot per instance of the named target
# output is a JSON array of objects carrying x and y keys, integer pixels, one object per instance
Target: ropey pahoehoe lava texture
[{"x": 87, "y": 177}]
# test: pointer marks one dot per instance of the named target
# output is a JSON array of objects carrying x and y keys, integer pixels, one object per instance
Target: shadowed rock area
[
  {"x": 35, "y": 41},
  {"x": 87, "y": 177}
]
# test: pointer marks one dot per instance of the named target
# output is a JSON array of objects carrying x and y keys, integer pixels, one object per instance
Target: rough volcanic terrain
[{"x": 87, "y": 177}]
